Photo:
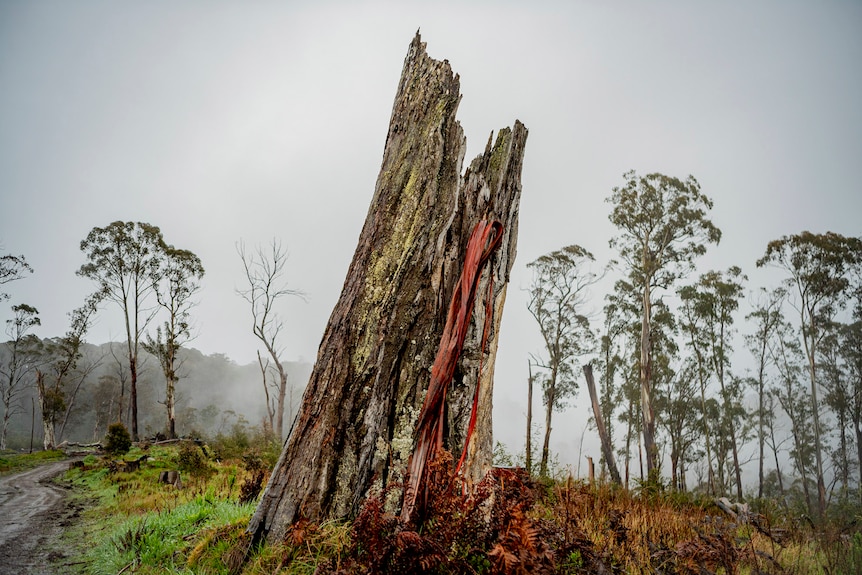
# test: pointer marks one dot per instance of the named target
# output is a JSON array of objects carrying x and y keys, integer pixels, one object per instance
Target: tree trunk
[
  {"x": 646, "y": 385},
  {"x": 133, "y": 398},
  {"x": 858, "y": 429},
  {"x": 282, "y": 392},
  {"x": 6, "y": 415},
  {"x": 761, "y": 436},
  {"x": 355, "y": 428},
  {"x": 549, "y": 412},
  {"x": 777, "y": 465},
  {"x": 810, "y": 351},
  {"x": 845, "y": 462},
  {"x": 170, "y": 405},
  {"x": 48, "y": 440},
  {"x": 607, "y": 446},
  {"x": 734, "y": 449},
  {"x": 528, "y": 449},
  {"x": 629, "y": 427},
  {"x": 270, "y": 409}
]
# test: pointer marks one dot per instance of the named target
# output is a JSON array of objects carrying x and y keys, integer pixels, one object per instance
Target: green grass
[
  {"x": 14, "y": 462},
  {"x": 160, "y": 542},
  {"x": 133, "y": 523}
]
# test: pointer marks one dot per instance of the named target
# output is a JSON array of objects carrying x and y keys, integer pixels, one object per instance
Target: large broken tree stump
[{"x": 355, "y": 429}]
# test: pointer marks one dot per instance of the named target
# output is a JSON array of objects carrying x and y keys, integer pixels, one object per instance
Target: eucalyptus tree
[
  {"x": 771, "y": 424},
  {"x": 713, "y": 300},
  {"x": 677, "y": 402},
  {"x": 558, "y": 294},
  {"x": 122, "y": 258},
  {"x": 851, "y": 351},
  {"x": 837, "y": 396},
  {"x": 12, "y": 268},
  {"x": 175, "y": 283},
  {"x": 818, "y": 268},
  {"x": 663, "y": 226},
  {"x": 765, "y": 318},
  {"x": 791, "y": 395},
  {"x": 264, "y": 272},
  {"x": 692, "y": 328},
  {"x": 19, "y": 363},
  {"x": 59, "y": 375},
  {"x": 611, "y": 362},
  {"x": 622, "y": 312}
]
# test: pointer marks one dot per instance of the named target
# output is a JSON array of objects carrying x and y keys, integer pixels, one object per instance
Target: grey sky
[{"x": 225, "y": 121}]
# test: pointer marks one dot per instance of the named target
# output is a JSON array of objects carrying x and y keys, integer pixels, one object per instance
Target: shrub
[
  {"x": 117, "y": 441},
  {"x": 192, "y": 460},
  {"x": 253, "y": 484}
]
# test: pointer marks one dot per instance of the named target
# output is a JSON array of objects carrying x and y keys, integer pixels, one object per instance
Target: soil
[{"x": 34, "y": 513}]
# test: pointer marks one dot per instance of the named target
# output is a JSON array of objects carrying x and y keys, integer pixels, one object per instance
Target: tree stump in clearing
[
  {"x": 171, "y": 478},
  {"x": 355, "y": 429}
]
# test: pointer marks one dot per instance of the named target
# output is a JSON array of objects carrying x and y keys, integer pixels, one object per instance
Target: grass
[
  {"x": 11, "y": 462},
  {"x": 134, "y": 524},
  {"x": 165, "y": 540},
  {"x": 137, "y": 524}
]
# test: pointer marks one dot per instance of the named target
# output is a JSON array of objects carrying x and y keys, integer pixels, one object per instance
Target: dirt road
[{"x": 33, "y": 514}]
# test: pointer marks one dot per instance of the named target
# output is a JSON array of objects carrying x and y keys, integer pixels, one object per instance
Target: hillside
[{"x": 213, "y": 394}]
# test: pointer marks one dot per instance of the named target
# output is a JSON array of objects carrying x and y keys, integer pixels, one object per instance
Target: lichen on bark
[{"x": 358, "y": 414}]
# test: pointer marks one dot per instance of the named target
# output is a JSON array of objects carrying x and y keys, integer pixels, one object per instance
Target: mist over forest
[{"x": 214, "y": 395}]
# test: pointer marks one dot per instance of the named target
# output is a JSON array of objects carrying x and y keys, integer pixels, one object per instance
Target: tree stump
[
  {"x": 171, "y": 478},
  {"x": 355, "y": 428}
]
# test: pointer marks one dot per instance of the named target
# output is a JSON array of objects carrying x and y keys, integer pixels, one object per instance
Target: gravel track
[{"x": 33, "y": 514}]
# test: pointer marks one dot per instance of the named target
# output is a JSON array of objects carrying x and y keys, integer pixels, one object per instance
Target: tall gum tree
[
  {"x": 789, "y": 390},
  {"x": 175, "y": 284},
  {"x": 609, "y": 362},
  {"x": 558, "y": 292},
  {"x": 764, "y": 318},
  {"x": 20, "y": 362},
  {"x": 819, "y": 268},
  {"x": 122, "y": 259},
  {"x": 663, "y": 226},
  {"x": 355, "y": 427},
  {"x": 60, "y": 369},
  {"x": 713, "y": 300}
]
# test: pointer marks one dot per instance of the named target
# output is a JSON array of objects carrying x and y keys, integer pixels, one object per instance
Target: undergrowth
[
  {"x": 509, "y": 523},
  {"x": 134, "y": 523}
]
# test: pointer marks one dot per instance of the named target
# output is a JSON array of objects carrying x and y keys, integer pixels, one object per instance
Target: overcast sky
[{"x": 224, "y": 121}]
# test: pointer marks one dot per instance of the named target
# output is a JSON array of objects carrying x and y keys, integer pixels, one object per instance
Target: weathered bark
[
  {"x": 48, "y": 438},
  {"x": 607, "y": 446},
  {"x": 355, "y": 428}
]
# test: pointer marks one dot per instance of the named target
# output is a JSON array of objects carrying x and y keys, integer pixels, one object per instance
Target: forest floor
[{"x": 35, "y": 513}]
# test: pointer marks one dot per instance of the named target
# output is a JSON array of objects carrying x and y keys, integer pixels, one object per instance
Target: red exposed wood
[{"x": 429, "y": 429}]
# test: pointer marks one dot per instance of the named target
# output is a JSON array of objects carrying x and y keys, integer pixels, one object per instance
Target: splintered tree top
[{"x": 355, "y": 429}]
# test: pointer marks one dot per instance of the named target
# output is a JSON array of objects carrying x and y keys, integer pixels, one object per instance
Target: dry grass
[{"x": 509, "y": 525}]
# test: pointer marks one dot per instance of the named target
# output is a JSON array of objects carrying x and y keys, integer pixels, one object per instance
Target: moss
[
  {"x": 388, "y": 262},
  {"x": 398, "y": 453},
  {"x": 345, "y": 481},
  {"x": 498, "y": 156}
]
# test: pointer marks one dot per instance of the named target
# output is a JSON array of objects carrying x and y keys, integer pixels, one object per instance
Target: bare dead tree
[{"x": 264, "y": 271}]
